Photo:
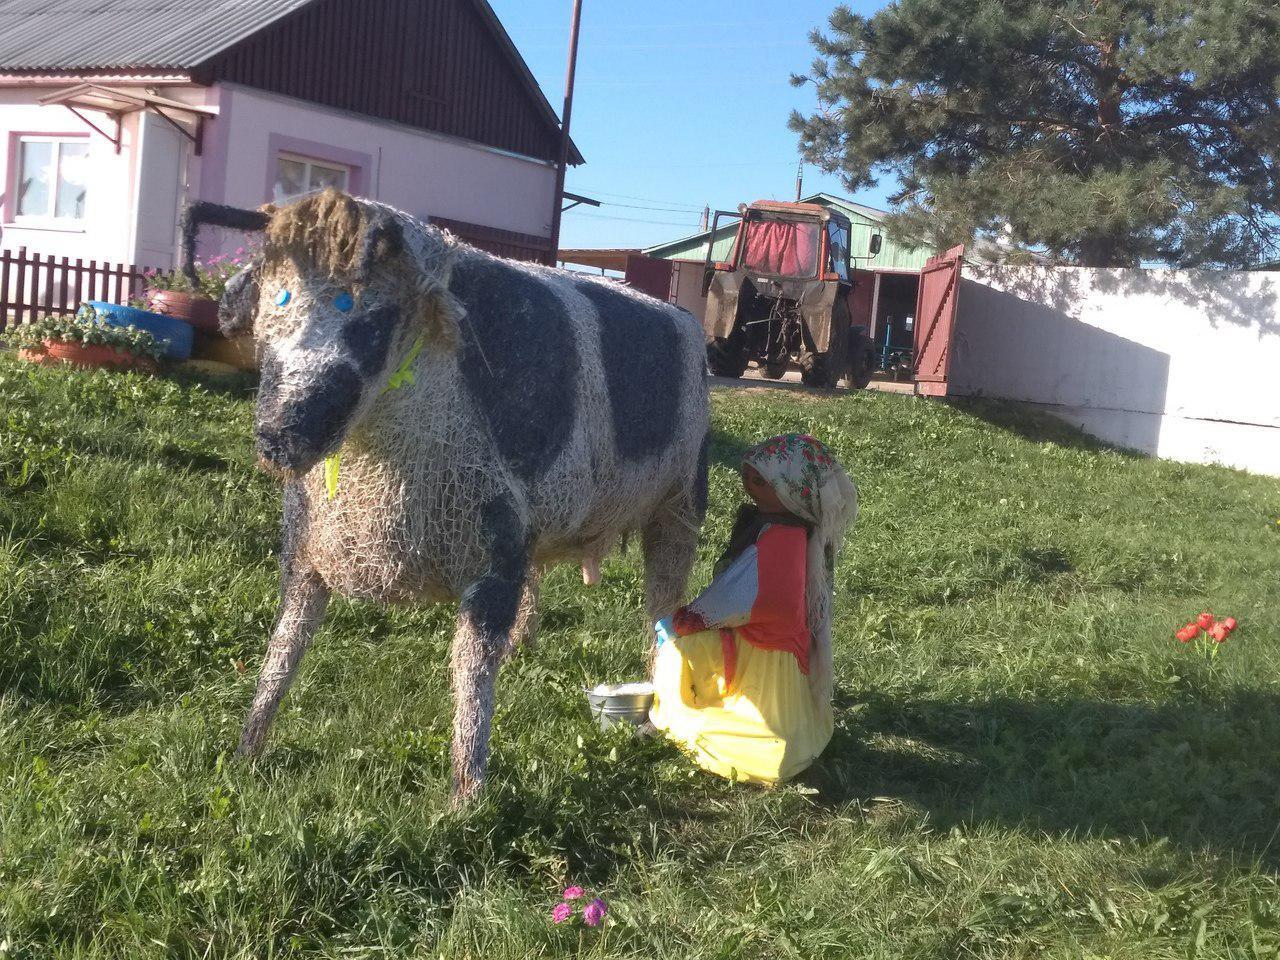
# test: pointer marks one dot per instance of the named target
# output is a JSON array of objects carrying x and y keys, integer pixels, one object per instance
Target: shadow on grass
[
  {"x": 1034, "y": 425},
  {"x": 727, "y": 449},
  {"x": 241, "y": 385},
  {"x": 1204, "y": 776},
  {"x": 591, "y": 821}
]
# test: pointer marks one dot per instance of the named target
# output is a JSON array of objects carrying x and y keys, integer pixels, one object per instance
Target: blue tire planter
[{"x": 177, "y": 335}]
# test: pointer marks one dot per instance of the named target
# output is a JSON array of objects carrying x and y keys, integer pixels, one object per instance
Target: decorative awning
[
  {"x": 613, "y": 258},
  {"x": 116, "y": 102}
]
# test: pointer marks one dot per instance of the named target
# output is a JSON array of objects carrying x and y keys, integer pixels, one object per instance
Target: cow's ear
[
  {"x": 239, "y": 307},
  {"x": 383, "y": 239}
]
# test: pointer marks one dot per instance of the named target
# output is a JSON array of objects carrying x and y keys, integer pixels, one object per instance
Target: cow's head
[{"x": 337, "y": 303}]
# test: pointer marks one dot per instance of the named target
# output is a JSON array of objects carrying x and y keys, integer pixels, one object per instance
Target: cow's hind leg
[
  {"x": 525, "y": 631},
  {"x": 487, "y": 615}
]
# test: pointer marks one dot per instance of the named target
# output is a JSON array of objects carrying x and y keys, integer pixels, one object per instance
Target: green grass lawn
[{"x": 1026, "y": 763}]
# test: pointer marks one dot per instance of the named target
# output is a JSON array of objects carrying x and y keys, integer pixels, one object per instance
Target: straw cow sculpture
[{"x": 447, "y": 424}]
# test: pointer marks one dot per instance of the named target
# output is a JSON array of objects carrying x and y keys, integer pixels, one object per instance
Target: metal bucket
[{"x": 614, "y": 703}]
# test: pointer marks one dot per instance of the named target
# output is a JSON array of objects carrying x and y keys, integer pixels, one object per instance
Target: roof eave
[{"x": 111, "y": 77}]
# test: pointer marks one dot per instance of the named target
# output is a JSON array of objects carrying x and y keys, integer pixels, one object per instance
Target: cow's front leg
[
  {"x": 302, "y": 606},
  {"x": 486, "y": 617}
]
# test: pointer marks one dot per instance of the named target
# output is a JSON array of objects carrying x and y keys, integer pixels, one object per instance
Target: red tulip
[
  {"x": 1229, "y": 623},
  {"x": 1219, "y": 632},
  {"x": 1204, "y": 621},
  {"x": 1187, "y": 633}
]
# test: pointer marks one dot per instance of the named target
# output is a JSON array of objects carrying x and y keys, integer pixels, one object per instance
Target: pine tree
[{"x": 1105, "y": 132}]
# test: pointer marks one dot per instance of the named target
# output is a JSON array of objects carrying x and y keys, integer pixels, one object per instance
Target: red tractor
[{"x": 782, "y": 297}]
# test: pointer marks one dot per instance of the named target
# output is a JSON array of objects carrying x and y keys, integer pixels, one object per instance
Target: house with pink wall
[{"x": 113, "y": 116}]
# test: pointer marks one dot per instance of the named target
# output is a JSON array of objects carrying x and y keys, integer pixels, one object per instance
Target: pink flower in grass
[
  {"x": 573, "y": 893},
  {"x": 593, "y": 913},
  {"x": 562, "y": 912}
]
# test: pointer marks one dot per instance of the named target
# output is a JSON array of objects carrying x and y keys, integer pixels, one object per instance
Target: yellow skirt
[{"x": 765, "y": 728}]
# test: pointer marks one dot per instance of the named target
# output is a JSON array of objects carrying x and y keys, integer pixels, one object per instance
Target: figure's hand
[{"x": 663, "y": 630}]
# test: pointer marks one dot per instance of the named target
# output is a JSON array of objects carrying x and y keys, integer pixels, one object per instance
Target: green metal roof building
[{"x": 863, "y": 220}]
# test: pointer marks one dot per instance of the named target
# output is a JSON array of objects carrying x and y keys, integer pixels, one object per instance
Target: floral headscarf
[{"x": 815, "y": 488}]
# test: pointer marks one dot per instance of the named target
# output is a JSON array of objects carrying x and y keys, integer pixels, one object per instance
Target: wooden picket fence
[{"x": 33, "y": 285}]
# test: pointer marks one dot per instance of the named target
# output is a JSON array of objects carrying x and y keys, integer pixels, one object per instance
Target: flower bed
[{"x": 177, "y": 295}]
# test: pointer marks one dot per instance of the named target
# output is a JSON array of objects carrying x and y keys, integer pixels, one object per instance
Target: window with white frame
[
  {"x": 52, "y": 178},
  {"x": 296, "y": 176}
]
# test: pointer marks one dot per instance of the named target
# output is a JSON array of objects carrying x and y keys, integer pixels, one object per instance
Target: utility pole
[
  {"x": 554, "y": 253},
  {"x": 706, "y": 218},
  {"x": 799, "y": 181}
]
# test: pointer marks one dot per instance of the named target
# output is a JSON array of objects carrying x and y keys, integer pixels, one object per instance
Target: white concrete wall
[
  {"x": 422, "y": 173},
  {"x": 1177, "y": 364}
]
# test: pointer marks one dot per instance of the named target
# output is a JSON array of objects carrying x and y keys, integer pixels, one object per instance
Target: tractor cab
[{"x": 782, "y": 296}]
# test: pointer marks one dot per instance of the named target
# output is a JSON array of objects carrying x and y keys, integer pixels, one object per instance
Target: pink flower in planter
[
  {"x": 562, "y": 912},
  {"x": 593, "y": 913}
]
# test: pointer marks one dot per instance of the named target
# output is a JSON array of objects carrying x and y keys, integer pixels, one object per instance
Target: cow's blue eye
[
  {"x": 344, "y": 301},
  {"x": 283, "y": 297}
]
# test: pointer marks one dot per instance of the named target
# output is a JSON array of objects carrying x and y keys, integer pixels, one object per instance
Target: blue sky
[{"x": 678, "y": 104}]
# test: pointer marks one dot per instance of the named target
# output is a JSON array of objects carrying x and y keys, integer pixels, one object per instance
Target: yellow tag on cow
[
  {"x": 331, "y": 466},
  {"x": 404, "y": 374}
]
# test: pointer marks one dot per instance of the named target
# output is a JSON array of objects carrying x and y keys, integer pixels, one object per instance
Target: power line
[
  {"x": 637, "y": 206},
  {"x": 679, "y": 81},
  {"x": 631, "y": 28},
  {"x": 626, "y": 196},
  {"x": 601, "y": 216},
  {"x": 727, "y": 45}
]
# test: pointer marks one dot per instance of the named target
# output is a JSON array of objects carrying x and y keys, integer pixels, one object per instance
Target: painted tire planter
[
  {"x": 92, "y": 355},
  {"x": 200, "y": 312},
  {"x": 177, "y": 335}
]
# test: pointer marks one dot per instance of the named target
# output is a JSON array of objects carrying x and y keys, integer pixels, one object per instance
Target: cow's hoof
[{"x": 464, "y": 793}]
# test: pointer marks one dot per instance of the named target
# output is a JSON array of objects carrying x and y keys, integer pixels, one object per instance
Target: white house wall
[
  {"x": 104, "y": 233},
  {"x": 161, "y": 192},
  {"x": 1177, "y": 364},
  {"x": 424, "y": 174}
]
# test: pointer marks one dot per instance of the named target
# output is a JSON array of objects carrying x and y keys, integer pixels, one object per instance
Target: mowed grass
[{"x": 1026, "y": 764}]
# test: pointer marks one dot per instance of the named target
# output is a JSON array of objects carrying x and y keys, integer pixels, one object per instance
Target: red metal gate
[
  {"x": 935, "y": 318},
  {"x": 650, "y": 275}
]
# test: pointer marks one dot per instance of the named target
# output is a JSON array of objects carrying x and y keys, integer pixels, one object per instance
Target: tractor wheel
[
  {"x": 725, "y": 358},
  {"x": 862, "y": 363},
  {"x": 815, "y": 370},
  {"x": 776, "y": 369}
]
